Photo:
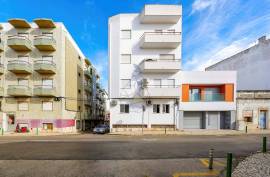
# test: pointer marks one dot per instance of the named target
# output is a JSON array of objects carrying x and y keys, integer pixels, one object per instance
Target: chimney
[{"x": 262, "y": 39}]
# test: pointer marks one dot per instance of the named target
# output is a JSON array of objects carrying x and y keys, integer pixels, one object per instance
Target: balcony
[
  {"x": 161, "y": 14},
  {"x": 45, "y": 43},
  {"x": 45, "y": 67},
  {"x": 19, "y": 90},
  {"x": 19, "y": 43},
  {"x": 87, "y": 88},
  {"x": 19, "y": 67},
  {"x": 44, "y": 23},
  {"x": 161, "y": 91},
  {"x": 160, "y": 66},
  {"x": 87, "y": 102},
  {"x": 207, "y": 97},
  {"x": 1, "y": 69},
  {"x": 87, "y": 74},
  {"x": 160, "y": 40},
  {"x": 19, "y": 23},
  {"x": 1, "y": 91},
  {"x": 44, "y": 90}
]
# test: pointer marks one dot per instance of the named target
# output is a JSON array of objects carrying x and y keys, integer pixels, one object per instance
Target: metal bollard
[
  {"x": 165, "y": 130},
  {"x": 2, "y": 131},
  {"x": 37, "y": 132},
  {"x": 246, "y": 129},
  {"x": 264, "y": 144},
  {"x": 211, "y": 156},
  {"x": 229, "y": 165}
]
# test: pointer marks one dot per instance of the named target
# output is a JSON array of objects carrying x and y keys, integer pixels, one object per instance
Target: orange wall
[
  {"x": 229, "y": 92},
  {"x": 185, "y": 92}
]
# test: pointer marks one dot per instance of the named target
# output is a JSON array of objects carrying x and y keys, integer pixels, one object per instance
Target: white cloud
[
  {"x": 221, "y": 30},
  {"x": 199, "y": 5}
]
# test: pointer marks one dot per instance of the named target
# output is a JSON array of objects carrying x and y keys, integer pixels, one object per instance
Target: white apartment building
[{"x": 147, "y": 88}]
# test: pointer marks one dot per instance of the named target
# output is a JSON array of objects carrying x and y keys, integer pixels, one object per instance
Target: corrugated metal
[{"x": 192, "y": 120}]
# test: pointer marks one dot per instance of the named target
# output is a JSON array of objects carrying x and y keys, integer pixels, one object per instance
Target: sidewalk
[
  {"x": 40, "y": 134},
  {"x": 190, "y": 132}
]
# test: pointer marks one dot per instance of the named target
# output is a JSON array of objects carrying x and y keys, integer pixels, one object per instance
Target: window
[
  {"x": 156, "y": 108},
  {"x": 125, "y": 58},
  {"x": 47, "y": 106},
  {"x": 166, "y": 108},
  {"x": 79, "y": 91},
  {"x": 125, "y": 83},
  {"x": 79, "y": 74},
  {"x": 124, "y": 108},
  {"x": 47, "y": 83},
  {"x": 23, "y": 106},
  {"x": 157, "y": 82},
  {"x": 79, "y": 57},
  {"x": 23, "y": 82},
  {"x": 23, "y": 58},
  {"x": 248, "y": 119},
  {"x": 125, "y": 34}
]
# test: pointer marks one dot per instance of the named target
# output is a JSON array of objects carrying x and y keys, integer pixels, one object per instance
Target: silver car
[{"x": 101, "y": 129}]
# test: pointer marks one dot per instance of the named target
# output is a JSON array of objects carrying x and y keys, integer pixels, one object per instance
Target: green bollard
[
  {"x": 229, "y": 165},
  {"x": 264, "y": 144},
  {"x": 37, "y": 131},
  {"x": 2, "y": 131}
]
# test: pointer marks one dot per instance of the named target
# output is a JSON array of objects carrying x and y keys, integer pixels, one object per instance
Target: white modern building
[{"x": 145, "y": 78}]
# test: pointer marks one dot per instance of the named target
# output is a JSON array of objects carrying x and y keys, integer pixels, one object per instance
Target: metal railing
[
  {"x": 206, "y": 97},
  {"x": 42, "y": 36},
  {"x": 158, "y": 59},
  {"x": 18, "y": 37},
  {"x": 44, "y": 62},
  {"x": 19, "y": 87},
  {"x": 19, "y": 62},
  {"x": 161, "y": 33}
]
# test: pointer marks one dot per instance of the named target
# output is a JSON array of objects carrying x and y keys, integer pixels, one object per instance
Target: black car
[{"x": 101, "y": 129}]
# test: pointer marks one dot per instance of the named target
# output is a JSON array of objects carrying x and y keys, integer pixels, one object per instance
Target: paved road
[
  {"x": 119, "y": 156},
  {"x": 89, "y": 147}
]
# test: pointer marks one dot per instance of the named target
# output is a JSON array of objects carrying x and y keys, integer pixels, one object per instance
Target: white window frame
[
  {"x": 125, "y": 37},
  {"x": 156, "y": 109},
  {"x": 125, "y": 86},
  {"x": 46, "y": 109},
  {"x": 125, "y": 107},
  {"x": 125, "y": 55},
  {"x": 164, "y": 108}
]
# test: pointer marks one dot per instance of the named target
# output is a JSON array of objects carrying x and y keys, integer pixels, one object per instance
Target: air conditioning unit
[
  {"x": 113, "y": 102},
  {"x": 57, "y": 98},
  {"x": 148, "y": 102}
]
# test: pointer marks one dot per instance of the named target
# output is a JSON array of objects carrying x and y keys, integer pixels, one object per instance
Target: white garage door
[{"x": 192, "y": 120}]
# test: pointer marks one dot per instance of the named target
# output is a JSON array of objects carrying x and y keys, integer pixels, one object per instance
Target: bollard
[
  {"x": 165, "y": 130},
  {"x": 229, "y": 165},
  {"x": 246, "y": 129},
  {"x": 211, "y": 159},
  {"x": 37, "y": 131},
  {"x": 2, "y": 131},
  {"x": 264, "y": 144}
]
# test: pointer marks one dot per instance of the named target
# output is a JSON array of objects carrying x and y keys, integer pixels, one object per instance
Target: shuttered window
[
  {"x": 23, "y": 106},
  {"x": 125, "y": 34},
  {"x": 125, "y": 58},
  {"x": 156, "y": 108},
  {"x": 47, "y": 106},
  {"x": 124, "y": 108},
  {"x": 166, "y": 108}
]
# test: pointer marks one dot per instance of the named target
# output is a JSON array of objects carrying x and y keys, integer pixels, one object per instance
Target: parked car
[{"x": 101, "y": 129}]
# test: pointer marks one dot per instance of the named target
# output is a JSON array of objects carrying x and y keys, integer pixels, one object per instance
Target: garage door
[{"x": 192, "y": 120}]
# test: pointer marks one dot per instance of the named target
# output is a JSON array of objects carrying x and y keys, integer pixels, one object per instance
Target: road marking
[
  {"x": 205, "y": 162},
  {"x": 185, "y": 174}
]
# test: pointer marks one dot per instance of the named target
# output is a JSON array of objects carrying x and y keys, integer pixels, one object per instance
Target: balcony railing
[
  {"x": 207, "y": 97},
  {"x": 160, "y": 65},
  {"x": 45, "y": 66},
  {"x": 19, "y": 43},
  {"x": 44, "y": 90},
  {"x": 160, "y": 91},
  {"x": 19, "y": 67},
  {"x": 44, "y": 42},
  {"x": 19, "y": 90},
  {"x": 160, "y": 40}
]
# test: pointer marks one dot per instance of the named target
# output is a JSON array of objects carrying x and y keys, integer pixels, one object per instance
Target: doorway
[
  {"x": 262, "y": 119},
  {"x": 48, "y": 126}
]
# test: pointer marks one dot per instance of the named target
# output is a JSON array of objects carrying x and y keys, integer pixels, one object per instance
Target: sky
[{"x": 212, "y": 29}]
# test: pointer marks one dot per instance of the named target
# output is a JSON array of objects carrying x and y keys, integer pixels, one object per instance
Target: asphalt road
[{"x": 107, "y": 147}]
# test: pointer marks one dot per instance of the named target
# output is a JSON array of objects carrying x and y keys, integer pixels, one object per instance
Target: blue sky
[{"x": 212, "y": 29}]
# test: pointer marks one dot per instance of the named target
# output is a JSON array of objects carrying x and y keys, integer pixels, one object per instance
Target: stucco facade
[{"x": 42, "y": 79}]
